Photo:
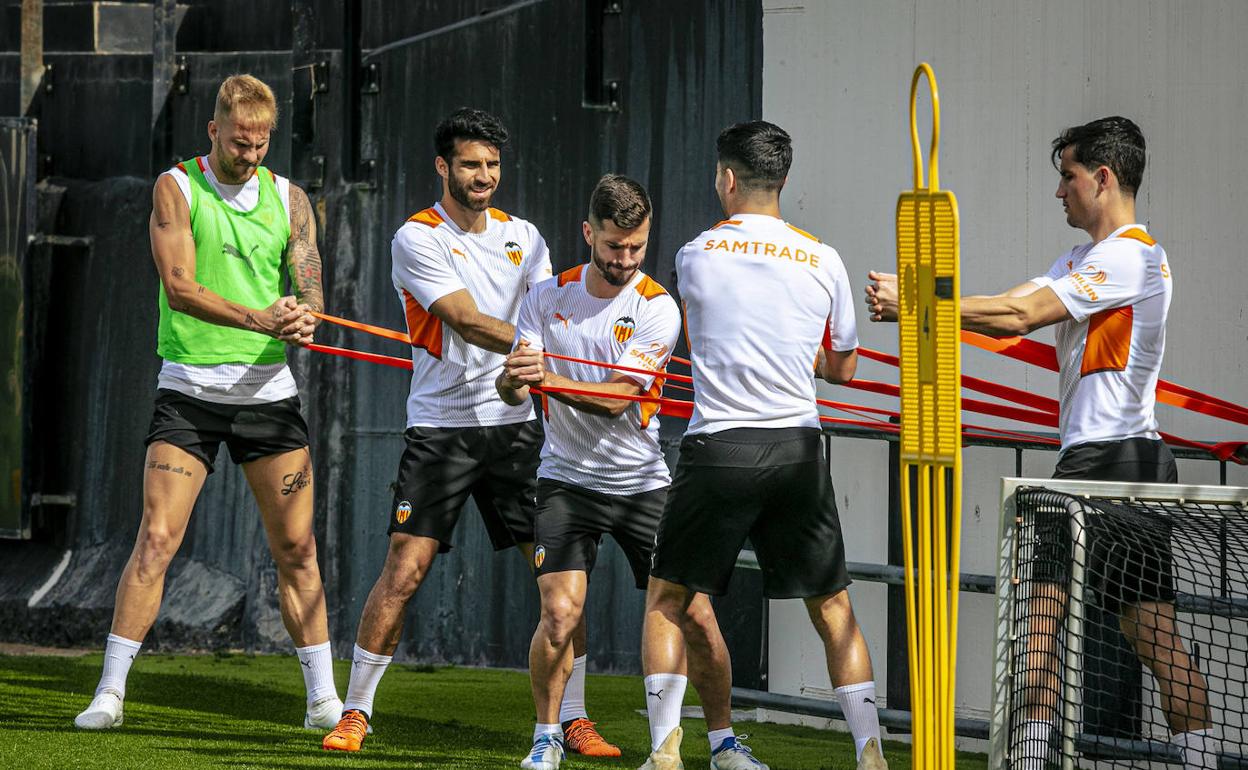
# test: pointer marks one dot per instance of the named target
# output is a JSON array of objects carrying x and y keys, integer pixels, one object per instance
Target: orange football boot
[
  {"x": 349, "y": 734},
  {"x": 581, "y": 738}
]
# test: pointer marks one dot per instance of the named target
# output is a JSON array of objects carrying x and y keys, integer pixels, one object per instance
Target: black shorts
[
  {"x": 768, "y": 484},
  {"x": 250, "y": 431},
  {"x": 441, "y": 467},
  {"x": 571, "y": 521},
  {"x": 1129, "y": 554}
]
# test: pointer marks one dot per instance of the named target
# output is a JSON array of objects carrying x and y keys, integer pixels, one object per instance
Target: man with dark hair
[
  {"x": 602, "y": 468},
  {"x": 751, "y": 464},
  {"x": 460, "y": 269},
  {"x": 1109, "y": 299}
]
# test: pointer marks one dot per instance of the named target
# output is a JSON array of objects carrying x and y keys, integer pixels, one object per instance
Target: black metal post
[{"x": 897, "y": 688}]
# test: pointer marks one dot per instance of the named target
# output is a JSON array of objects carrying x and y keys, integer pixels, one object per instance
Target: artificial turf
[{"x": 193, "y": 711}]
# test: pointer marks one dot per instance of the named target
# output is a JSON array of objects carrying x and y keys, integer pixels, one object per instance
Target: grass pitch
[{"x": 241, "y": 711}]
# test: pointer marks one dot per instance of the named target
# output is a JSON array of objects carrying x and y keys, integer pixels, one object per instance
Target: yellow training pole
[{"x": 931, "y": 439}]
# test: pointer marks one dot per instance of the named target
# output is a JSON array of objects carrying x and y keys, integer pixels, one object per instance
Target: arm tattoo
[
  {"x": 178, "y": 272},
  {"x": 251, "y": 323},
  {"x": 301, "y": 253}
]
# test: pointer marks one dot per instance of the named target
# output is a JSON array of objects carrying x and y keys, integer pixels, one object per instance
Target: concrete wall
[{"x": 836, "y": 75}]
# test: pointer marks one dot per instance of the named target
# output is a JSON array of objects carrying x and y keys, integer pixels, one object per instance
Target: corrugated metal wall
[{"x": 361, "y": 144}]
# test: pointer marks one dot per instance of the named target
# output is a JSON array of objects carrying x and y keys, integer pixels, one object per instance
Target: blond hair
[{"x": 246, "y": 100}]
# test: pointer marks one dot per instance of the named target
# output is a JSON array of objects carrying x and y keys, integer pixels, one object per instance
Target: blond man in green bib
[{"x": 226, "y": 235}]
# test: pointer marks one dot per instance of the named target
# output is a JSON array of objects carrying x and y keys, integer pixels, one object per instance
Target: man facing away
[
  {"x": 1109, "y": 299},
  {"x": 222, "y": 229},
  {"x": 602, "y": 469},
  {"x": 762, "y": 301},
  {"x": 461, "y": 269}
]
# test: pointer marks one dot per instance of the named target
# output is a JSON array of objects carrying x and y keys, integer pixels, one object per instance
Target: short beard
[
  {"x": 608, "y": 276},
  {"x": 460, "y": 194}
]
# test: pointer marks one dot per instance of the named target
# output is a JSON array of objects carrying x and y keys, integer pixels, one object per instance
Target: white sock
[
  {"x": 573, "y": 705},
  {"x": 1200, "y": 749},
  {"x": 317, "y": 663},
  {"x": 1034, "y": 751},
  {"x": 717, "y": 737},
  {"x": 665, "y": 694},
  {"x": 540, "y": 729},
  {"x": 366, "y": 671},
  {"x": 119, "y": 654},
  {"x": 858, "y": 703}
]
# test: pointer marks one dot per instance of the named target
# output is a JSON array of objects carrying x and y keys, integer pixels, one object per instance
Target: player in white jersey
[
  {"x": 763, "y": 301},
  {"x": 226, "y": 234},
  {"x": 602, "y": 468},
  {"x": 461, "y": 269},
  {"x": 1109, "y": 299}
]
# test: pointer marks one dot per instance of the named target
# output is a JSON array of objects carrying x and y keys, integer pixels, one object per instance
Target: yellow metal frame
[{"x": 929, "y": 347}]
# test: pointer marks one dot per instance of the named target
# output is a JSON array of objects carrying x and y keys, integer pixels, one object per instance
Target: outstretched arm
[
  {"x": 173, "y": 249},
  {"x": 1019, "y": 311}
]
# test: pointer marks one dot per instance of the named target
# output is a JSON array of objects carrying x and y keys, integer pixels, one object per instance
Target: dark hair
[
  {"x": 467, "y": 123},
  {"x": 619, "y": 199},
  {"x": 1114, "y": 142},
  {"x": 758, "y": 152}
]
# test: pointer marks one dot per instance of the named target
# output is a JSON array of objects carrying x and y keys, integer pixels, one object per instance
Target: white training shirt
[
  {"x": 760, "y": 297},
  {"x": 636, "y": 328},
  {"x": 1109, "y": 352},
  {"x": 452, "y": 380},
  {"x": 230, "y": 383}
]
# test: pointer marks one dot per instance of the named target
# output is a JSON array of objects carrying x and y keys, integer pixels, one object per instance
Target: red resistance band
[{"x": 1040, "y": 410}]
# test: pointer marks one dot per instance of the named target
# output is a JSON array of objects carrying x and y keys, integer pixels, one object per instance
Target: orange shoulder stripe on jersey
[
  {"x": 800, "y": 231},
  {"x": 649, "y": 288},
  {"x": 423, "y": 327},
  {"x": 429, "y": 217},
  {"x": 571, "y": 275},
  {"x": 501, "y": 216},
  {"x": 1136, "y": 234},
  {"x": 721, "y": 223},
  {"x": 1109, "y": 341},
  {"x": 182, "y": 167},
  {"x": 200, "y": 162}
]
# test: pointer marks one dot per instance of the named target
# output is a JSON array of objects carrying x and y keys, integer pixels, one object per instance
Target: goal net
[{"x": 1122, "y": 626}]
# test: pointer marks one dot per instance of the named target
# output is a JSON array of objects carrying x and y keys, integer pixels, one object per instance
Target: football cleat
[
  {"x": 349, "y": 734},
  {"x": 103, "y": 713},
  {"x": 546, "y": 754},
  {"x": 667, "y": 755},
  {"x": 581, "y": 738},
  {"x": 871, "y": 758},
  {"x": 732, "y": 754}
]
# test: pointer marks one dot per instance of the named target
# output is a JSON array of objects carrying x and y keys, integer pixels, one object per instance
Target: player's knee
[
  {"x": 154, "y": 551},
  {"x": 402, "y": 576},
  {"x": 295, "y": 555},
  {"x": 700, "y": 624},
  {"x": 832, "y": 615},
  {"x": 561, "y": 615},
  {"x": 667, "y": 598}
]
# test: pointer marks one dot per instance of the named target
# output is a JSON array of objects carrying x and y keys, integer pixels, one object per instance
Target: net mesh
[{"x": 1130, "y": 634}]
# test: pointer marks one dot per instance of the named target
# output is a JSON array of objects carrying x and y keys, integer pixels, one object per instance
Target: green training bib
[{"x": 238, "y": 254}]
